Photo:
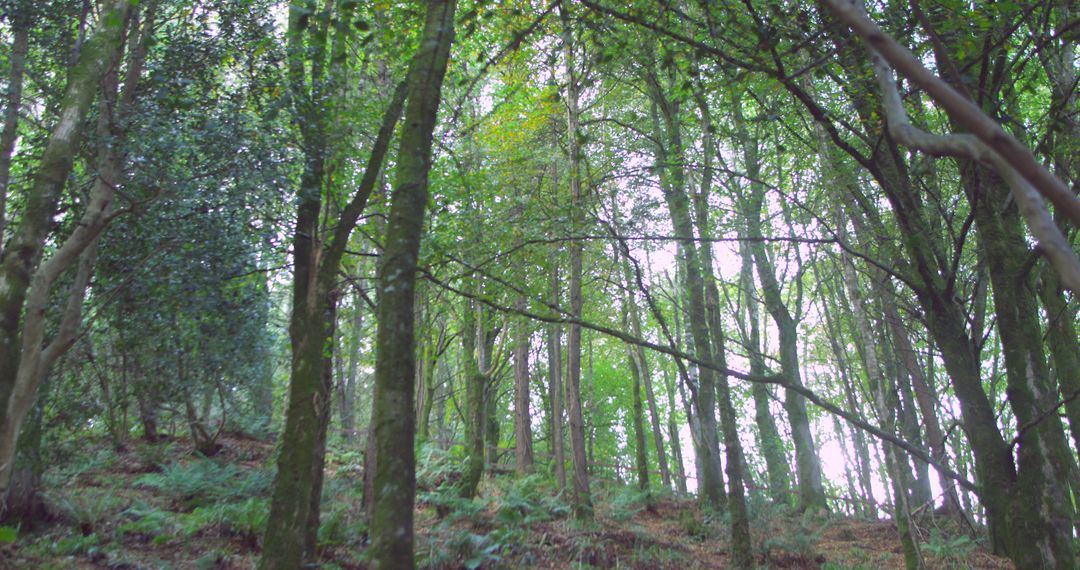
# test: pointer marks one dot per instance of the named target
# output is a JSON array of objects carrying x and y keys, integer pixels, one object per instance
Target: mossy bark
[
  {"x": 289, "y": 541},
  {"x": 395, "y": 421},
  {"x": 669, "y": 156},
  {"x": 23, "y": 253},
  {"x": 474, "y": 406}
]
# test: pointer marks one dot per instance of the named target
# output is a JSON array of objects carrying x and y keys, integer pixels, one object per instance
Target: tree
[
  {"x": 25, "y": 280},
  {"x": 395, "y": 477}
]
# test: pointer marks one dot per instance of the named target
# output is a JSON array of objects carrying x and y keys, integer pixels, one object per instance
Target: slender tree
[{"x": 395, "y": 425}]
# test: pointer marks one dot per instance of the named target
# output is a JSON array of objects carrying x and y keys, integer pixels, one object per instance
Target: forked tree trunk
[
  {"x": 668, "y": 160},
  {"x": 294, "y": 508},
  {"x": 24, "y": 281}
]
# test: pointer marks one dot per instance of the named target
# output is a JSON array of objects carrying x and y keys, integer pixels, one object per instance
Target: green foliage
[
  {"x": 154, "y": 456},
  {"x": 950, "y": 551},
  {"x": 475, "y": 549},
  {"x": 799, "y": 538},
  {"x": 693, "y": 524},
  {"x": 341, "y": 525},
  {"x": 86, "y": 508},
  {"x": 624, "y": 502},
  {"x": 528, "y": 500},
  {"x": 148, "y": 521},
  {"x": 8, "y": 534},
  {"x": 205, "y": 481},
  {"x": 76, "y": 544},
  {"x": 245, "y": 518},
  {"x": 83, "y": 464},
  {"x": 657, "y": 556},
  {"x": 436, "y": 467}
]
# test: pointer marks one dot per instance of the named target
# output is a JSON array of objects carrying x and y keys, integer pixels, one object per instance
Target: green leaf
[{"x": 8, "y": 534}]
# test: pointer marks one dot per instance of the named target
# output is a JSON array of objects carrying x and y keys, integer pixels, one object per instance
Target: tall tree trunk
[
  {"x": 669, "y": 158},
  {"x": 289, "y": 538},
  {"x": 673, "y": 437},
  {"x": 638, "y": 360},
  {"x": 555, "y": 388},
  {"x": 347, "y": 383},
  {"x": 395, "y": 477},
  {"x": 581, "y": 497},
  {"x": 925, "y": 397},
  {"x": 807, "y": 461},
  {"x": 20, "y": 44},
  {"x": 522, "y": 417},
  {"x": 886, "y": 403},
  {"x": 769, "y": 440},
  {"x": 862, "y": 450},
  {"x": 742, "y": 549},
  {"x": 641, "y": 457}
]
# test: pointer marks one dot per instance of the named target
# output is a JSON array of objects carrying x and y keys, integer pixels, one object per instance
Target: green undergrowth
[{"x": 161, "y": 506}]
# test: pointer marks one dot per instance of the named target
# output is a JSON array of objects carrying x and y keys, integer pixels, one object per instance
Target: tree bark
[
  {"x": 769, "y": 440},
  {"x": 395, "y": 477},
  {"x": 294, "y": 508},
  {"x": 673, "y": 436},
  {"x": 555, "y": 387},
  {"x": 741, "y": 546},
  {"x": 886, "y": 403},
  {"x": 668, "y": 161},
  {"x": 807, "y": 461},
  {"x": 20, "y": 45},
  {"x": 581, "y": 498},
  {"x": 522, "y": 417},
  {"x": 21, "y": 269}
]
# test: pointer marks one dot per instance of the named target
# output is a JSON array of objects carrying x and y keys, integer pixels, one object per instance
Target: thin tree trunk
[
  {"x": 742, "y": 548},
  {"x": 807, "y": 461},
  {"x": 555, "y": 388},
  {"x": 395, "y": 477},
  {"x": 348, "y": 382},
  {"x": 522, "y": 417},
  {"x": 673, "y": 437},
  {"x": 581, "y": 497},
  {"x": 769, "y": 440},
  {"x": 886, "y": 403},
  {"x": 639, "y": 363},
  {"x": 20, "y": 44},
  {"x": 641, "y": 457}
]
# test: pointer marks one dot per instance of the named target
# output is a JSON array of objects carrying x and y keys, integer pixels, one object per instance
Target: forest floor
[{"x": 159, "y": 506}]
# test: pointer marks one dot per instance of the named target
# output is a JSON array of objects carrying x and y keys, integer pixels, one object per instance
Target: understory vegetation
[{"x": 158, "y": 505}]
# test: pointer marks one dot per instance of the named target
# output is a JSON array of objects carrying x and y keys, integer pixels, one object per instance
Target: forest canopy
[{"x": 539, "y": 283}]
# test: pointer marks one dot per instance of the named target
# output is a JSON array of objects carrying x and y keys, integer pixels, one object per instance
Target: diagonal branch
[
  {"x": 988, "y": 143},
  {"x": 1009, "y": 150}
]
